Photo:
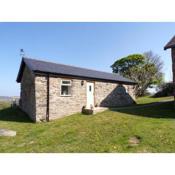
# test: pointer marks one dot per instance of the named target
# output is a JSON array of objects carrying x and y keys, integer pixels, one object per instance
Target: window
[
  {"x": 66, "y": 88},
  {"x": 90, "y": 88}
]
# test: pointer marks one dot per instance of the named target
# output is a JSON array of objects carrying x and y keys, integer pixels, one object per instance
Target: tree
[
  {"x": 144, "y": 68},
  {"x": 124, "y": 65}
]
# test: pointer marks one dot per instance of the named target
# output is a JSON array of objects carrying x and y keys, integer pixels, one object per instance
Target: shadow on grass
[
  {"x": 152, "y": 110},
  {"x": 14, "y": 115}
]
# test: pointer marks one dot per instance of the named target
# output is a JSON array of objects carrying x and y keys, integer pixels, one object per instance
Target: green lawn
[
  {"x": 145, "y": 100},
  {"x": 108, "y": 131}
]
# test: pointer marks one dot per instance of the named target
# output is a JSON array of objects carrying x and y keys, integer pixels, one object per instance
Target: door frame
[{"x": 93, "y": 82}]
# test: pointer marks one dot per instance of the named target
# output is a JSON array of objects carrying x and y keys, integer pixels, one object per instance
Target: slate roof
[
  {"x": 170, "y": 44},
  {"x": 38, "y": 66}
]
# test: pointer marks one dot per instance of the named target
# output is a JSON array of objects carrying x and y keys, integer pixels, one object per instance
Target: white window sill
[{"x": 65, "y": 95}]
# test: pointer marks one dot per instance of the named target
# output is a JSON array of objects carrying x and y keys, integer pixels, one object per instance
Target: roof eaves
[
  {"x": 86, "y": 77},
  {"x": 21, "y": 69},
  {"x": 169, "y": 47},
  {"x": 170, "y": 44},
  {"x": 18, "y": 79}
]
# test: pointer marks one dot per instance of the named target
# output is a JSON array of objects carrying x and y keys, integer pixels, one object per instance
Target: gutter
[{"x": 84, "y": 77}]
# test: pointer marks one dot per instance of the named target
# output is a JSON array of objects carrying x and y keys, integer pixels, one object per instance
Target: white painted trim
[
  {"x": 66, "y": 84},
  {"x": 90, "y": 99},
  {"x": 69, "y": 85}
]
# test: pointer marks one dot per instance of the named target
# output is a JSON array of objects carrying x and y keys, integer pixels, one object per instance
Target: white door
[{"x": 90, "y": 95}]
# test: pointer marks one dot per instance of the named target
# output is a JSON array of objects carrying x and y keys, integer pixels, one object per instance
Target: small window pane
[
  {"x": 65, "y": 90},
  {"x": 90, "y": 88},
  {"x": 66, "y": 87}
]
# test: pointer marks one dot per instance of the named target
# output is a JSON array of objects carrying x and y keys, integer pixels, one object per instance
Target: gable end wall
[
  {"x": 173, "y": 66},
  {"x": 27, "y": 96}
]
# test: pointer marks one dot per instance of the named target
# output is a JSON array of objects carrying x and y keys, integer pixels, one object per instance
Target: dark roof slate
[
  {"x": 61, "y": 69},
  {"x": 170, "y": 44}
]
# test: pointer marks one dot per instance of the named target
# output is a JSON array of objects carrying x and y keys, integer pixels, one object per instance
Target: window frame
[{"x": 68, "y": 85}]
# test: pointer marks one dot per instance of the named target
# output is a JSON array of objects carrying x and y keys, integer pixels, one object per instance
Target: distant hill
[{"x": 7, "y": 98}]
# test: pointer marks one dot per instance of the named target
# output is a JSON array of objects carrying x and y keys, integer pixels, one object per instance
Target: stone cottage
[
  {"x": 171, "y": 45},
  {"x": 50, "y": 90}
]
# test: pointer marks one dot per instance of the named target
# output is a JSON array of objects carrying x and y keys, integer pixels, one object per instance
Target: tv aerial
[{"x": 22, "y": 53}]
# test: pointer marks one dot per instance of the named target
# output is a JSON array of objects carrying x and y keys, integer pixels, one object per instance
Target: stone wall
[
  {"x": 173, "y": 66},
  {"x": 66, "y": 105},
  {"x": 112, "y": 94},
  {"x": 130, "y": 90},
  {"x": 34, "y": 96},
  {"x": 41, "y": 97},
  {"x": 27, "y": 99},
  {"x": 59, "y": 106}
]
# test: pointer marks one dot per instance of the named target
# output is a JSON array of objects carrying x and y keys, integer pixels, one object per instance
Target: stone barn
[
  {"x": 51, "y": 90},
  {"x": 171, "y": 45}
]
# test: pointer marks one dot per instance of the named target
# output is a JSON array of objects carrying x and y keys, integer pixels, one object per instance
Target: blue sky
[{"x": 90, "y": 45}]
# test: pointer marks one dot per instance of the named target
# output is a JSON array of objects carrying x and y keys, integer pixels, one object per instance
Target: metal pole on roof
[{"x": 22, "y": 53}]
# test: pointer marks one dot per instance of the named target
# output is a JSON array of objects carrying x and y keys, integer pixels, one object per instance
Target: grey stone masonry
[
  {"x": 41, "y": 97},
  {"x": 106, "y": 94},
  {"x": 59, "y": 106},
  {"x": 66, "y": 105},
  {"x": 34, "y": 92},
  {"x": 27, "y": 96},
  {"x": 173, "y": 66},
  {"x": 112, "y": 94}
]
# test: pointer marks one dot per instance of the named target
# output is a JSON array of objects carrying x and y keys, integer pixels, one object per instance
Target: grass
[
  {"x": 108, "y": 131},
  {"x": 147, "y": 99}
]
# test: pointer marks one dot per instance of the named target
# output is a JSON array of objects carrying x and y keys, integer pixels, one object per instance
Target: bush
[{"x": 165, "y": 90}]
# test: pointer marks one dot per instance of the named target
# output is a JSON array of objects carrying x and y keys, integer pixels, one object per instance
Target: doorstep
[{"x": 99, "y": 109}]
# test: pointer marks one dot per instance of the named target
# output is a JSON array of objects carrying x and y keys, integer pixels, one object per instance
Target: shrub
[{"x": 165, "y": 90}]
